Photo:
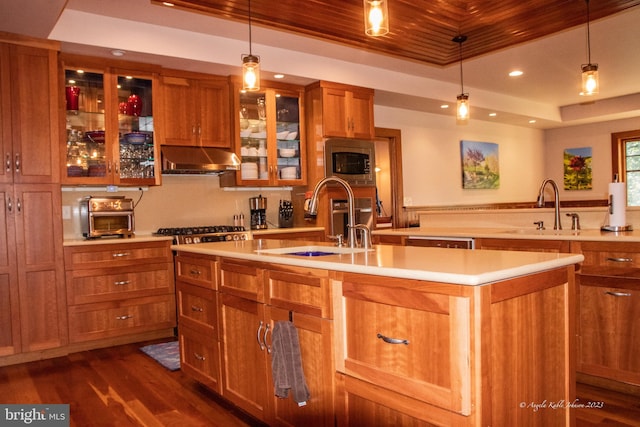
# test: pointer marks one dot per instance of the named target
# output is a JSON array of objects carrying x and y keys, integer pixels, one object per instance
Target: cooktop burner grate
[{"x": 205, "y": 234}]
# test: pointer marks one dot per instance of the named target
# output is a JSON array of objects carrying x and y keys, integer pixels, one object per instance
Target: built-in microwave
[{"x": 352, "y": 160}]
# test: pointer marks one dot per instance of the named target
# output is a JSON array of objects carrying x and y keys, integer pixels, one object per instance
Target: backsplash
[{"x": 179, "y": 202}]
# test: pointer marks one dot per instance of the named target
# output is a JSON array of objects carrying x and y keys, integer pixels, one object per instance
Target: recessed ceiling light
[
  {"x": 532, "y": 121},
  {"x": 278, "y": 76},
  {"x": 167, "y": 3},
  {"x": 80, "y": 71},
  {"x": 493, "y": 114},
  {"x": 117, "y": 52},
  {"x": 516, "y": 73},
  {"x": 443, "y": 106}
]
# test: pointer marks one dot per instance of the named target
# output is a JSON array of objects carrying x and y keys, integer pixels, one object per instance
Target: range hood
[{"x": 178, "y": 160}]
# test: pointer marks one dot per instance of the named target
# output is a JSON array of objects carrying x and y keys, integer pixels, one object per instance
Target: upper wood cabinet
[
  {"x": 110, "y": 127},
  {"x": 347, "y": 111},
  {"x": 195, "y": 110},
  {"x": 269, "y": 135},
  {"x": 29, "y": 104}
]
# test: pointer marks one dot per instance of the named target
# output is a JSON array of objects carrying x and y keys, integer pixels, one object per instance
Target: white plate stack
[
  {"x": 249, "y": 170},
  {"x": 289, "y": 172}
]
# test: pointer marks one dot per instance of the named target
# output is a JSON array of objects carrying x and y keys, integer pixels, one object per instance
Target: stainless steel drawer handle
[
  {"x": 258, "y": 335},
  {"x": 196, "y": 308},
  {"x": 619, "y": 259},
  {"x": 8, "y": 163},
  {"x": 618, "y": 294},
  {"x": 121, "y": 283},
  {"x": 125, "y": 317},
  {"x": 195, "y": 272},
  {"x": 264, "y": 338},
  {"x": 393, "y": 340},
  {"x": 199, "y": 357},
  {"x": 121, "y": 254}
]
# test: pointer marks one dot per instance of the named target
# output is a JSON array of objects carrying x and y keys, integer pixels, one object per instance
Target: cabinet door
[
  {"x": 244, "y": 372},
  {"x": 608, "y": 332},
  {"x": 6, "y": 149},
  {"x": 334, "y": 113},
  {"x": 40, "y": 266},
  {"x": 34, "y": 105},
  {"x": 9, "y": 308},
  {"x": 316, "y": 351},
  {"x": 214, "y": 113},
  {"x": 178, "y": 111},
  {"x": 361, "y": 114}
]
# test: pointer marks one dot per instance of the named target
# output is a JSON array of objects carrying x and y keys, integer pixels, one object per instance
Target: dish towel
[{"x": 286, "y": 363}]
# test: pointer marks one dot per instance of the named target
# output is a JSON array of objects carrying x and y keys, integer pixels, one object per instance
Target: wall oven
[
  {"x": 352, "y": 160},
  {"x": 340, "y": 215}
]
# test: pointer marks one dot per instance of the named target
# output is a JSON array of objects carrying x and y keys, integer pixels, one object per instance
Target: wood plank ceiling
[{"x": 421, "y": 30}]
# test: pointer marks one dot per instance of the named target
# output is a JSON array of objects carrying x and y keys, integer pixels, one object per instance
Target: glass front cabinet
[
  {"x": 269, "y": 135},
  {"x": 110, "y": 136}
]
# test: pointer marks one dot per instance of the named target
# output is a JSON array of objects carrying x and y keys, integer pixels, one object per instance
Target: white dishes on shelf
[
  {"x": 259, "y": 135},
  {"x": 246, "y": 133},
  {"x": 249, "y": 170},
  {"x": 286, "y": 135},
  {"x": 292, "y": 135},
  {"x": 282, "y": 135},
  {"x": 289, "y": 172},
  {"x": 287, "y": 152}
]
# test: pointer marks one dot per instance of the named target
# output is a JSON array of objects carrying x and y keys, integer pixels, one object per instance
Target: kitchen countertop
[
  {"x": 285, "y": 230},
  {"x": 456, "y": 266},
  {"x": 138, "y": 238},
  {"x": 513, "y": 233}
]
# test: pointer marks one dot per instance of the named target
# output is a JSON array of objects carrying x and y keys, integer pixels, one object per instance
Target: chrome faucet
[
  {"x": 313, "y": 205},
  {"x": 556, "y": 199}
]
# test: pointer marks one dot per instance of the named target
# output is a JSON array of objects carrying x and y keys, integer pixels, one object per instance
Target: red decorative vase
[{"x": 134, "y": 104}]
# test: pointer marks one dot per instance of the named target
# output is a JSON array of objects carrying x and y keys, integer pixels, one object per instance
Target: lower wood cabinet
[
  {"x": 119, "y": 289},
  {"x": 609, "y": 309},
  {"x": 563, "y": 246},
  {"x": 249, "y": 299}
]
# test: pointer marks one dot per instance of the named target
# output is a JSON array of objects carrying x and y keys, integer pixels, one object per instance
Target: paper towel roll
[{"x": 617, "y": 204}]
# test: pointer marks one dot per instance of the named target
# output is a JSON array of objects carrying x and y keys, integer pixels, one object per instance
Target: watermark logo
[{"x": 34, "y": 415}]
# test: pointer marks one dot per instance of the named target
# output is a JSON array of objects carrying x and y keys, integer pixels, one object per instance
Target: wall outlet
[{"x": 66, "y": 212}]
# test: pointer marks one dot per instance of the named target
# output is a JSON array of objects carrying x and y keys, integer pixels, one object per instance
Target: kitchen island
[{"x": 390, "y": 336}]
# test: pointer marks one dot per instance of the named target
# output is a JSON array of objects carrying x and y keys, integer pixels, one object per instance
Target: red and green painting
[{"x": 577, "y": 169}]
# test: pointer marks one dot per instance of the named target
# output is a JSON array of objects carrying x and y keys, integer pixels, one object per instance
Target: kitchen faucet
[
  {"x": 556, "y": 199},
  {"x": 313, "y": 205}
]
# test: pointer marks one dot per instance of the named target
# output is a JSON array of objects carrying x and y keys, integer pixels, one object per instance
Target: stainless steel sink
[{"x": 312, "y": 250}]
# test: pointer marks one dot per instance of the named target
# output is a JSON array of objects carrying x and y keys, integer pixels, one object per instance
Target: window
[{"x": 625, "y": 150}]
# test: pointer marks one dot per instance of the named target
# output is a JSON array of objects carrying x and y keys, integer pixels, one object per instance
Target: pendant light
[
  {"x": 376, "y": 17},
  {"x": 462, "y": 103},
  {"x": 250, "y": 66},
  {"x": 590, "y": 81}
]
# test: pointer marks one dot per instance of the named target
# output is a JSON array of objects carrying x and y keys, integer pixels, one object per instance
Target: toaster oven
[{"x": 106, "y": 216}]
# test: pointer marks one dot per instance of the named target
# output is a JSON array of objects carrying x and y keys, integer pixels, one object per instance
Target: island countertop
[{"x": 455, "y": 266}]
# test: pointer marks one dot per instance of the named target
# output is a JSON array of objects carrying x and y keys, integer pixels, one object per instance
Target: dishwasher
[{"x": 440, "y": 242}]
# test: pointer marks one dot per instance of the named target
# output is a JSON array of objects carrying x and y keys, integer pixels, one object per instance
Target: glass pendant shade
[
  {"x": 376, "y": 17},
  {"x": 590, "y": 81},
  {"x": 462, "y": 108},
  {"x": 250, "y": 73}
]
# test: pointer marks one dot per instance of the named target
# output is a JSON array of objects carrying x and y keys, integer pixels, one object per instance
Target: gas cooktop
[{"x": 204, "y": 234}]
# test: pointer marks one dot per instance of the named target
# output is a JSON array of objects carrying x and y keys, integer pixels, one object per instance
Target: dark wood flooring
[{"x": 121, "y": 386}]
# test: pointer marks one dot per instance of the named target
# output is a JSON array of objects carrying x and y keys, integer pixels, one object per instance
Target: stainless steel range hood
[{"x": 197, "y": 160}]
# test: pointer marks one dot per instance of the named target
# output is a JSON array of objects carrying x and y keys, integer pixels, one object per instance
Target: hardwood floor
[
  {"x": 121, "y": 386},
  {"x": 118, "y": 386}
]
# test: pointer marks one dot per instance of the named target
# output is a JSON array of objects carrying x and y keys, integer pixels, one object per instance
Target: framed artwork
[
  {"x": 480, "y": 165},
  {"x": 577, "y": 169}
]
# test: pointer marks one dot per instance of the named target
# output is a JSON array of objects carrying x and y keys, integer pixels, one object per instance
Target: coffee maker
[{"x": 258, "y": 207}]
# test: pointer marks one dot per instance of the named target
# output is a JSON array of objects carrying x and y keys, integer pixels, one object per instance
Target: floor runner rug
[{"x": 167, "y": 354}]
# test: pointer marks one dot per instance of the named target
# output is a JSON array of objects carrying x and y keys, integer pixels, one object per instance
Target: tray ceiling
[{"x": 420, "y": 30}]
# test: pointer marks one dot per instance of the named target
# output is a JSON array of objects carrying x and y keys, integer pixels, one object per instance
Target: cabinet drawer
[
  {"x": 116, "y": 254},
  {"x": 608, "y": 257},
  {"x": 302, "y": 290},
  {"x": 242, "y": 279},
  {"x": 197, "y": 271},
  {"x": 197, "y": 309},
  {"x": 88, "y": 286},
  {"x": 422, "y": 351},
  {"x": 200, "y": 358},
  {"x": 108, "y": 319}
]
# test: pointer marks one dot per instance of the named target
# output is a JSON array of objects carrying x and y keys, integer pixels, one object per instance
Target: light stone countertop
[
  {"x": 456, "y": 266},
  {"x": 138, "y": 238},
  {"x": 513, "y": 233}
]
